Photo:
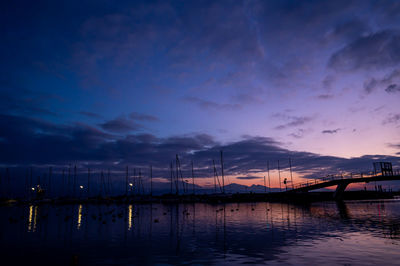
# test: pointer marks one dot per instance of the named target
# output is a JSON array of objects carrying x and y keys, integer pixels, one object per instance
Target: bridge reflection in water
[{"x": 203, "y": 233}]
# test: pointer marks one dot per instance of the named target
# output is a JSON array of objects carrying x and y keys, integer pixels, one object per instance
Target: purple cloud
[
  {"x": 377, "y": 50},
  {"x": 331, "y": 131},
  {"x": 120, "y": 125},
  {"x": 393, "y": 88},
  {"x": 295, "y": 121}
]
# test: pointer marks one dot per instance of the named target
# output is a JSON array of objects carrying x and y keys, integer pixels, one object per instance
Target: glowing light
[
  {"x": 81, "y": 187},
  {"x": 130, "y": 184},
  {"x": 79, "y": 217},
  {"x": 33, "y": 189},
  {"x": 130, "y": 217}
]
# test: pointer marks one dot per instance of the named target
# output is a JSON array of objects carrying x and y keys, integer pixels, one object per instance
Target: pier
[{"x": 341, "y": 183}]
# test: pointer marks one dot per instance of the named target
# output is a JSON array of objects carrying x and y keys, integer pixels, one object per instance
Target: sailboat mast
[
  {"x": 222, "y": 172},
  {"x": 279, "y": 174},
  {"x": 193, "y": 179},
  {"x": 291, "y": 176}
]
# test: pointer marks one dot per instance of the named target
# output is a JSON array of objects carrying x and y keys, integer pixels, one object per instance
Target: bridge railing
[{"x": 328, "y": 178}]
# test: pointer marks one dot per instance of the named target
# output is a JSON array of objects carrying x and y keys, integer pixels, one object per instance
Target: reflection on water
[
  {"x": 130, "y": 217},
  {"x": 361, "y": 232},
  {"x": 32, "y": 218},
  {"x": 79, "y": 216}
]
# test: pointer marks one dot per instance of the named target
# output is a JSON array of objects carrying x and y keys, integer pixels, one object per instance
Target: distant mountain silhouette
[{"x": 165, "y": 188}]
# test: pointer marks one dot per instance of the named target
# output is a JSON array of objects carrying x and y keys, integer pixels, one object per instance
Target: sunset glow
[{"x": 136, "y": 84}]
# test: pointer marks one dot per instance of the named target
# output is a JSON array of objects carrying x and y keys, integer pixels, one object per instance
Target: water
[{"x": 352, "y": 233}]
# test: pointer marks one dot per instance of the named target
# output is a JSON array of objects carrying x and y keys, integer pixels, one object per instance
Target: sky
[{"x": 102, "y": 83}]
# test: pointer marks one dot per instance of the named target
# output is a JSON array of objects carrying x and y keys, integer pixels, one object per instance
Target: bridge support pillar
[{"x": 339, "y": 190}]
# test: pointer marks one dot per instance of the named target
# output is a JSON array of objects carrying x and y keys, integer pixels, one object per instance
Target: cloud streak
[
  {"x": 392, "y": 119},
  {"x": 295, "y": 122},
  {"x": 380, "y": 49},
  {"x": 120, "y": 125},
  {"x": 212, "y": 105},
  {"x": 331, "y": 131}
]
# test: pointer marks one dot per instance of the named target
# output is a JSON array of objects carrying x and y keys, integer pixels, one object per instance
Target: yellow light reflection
[
  {"x": 79, "y": 216},
  {"x": 30, "y": 218},
  {"x": 130, "y": 217}
]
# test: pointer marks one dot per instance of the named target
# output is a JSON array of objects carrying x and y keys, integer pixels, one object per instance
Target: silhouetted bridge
[{"x": 341, "y": 182}]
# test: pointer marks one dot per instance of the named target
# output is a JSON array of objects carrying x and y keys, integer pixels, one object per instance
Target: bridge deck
[{"x": 312, "y": 185}]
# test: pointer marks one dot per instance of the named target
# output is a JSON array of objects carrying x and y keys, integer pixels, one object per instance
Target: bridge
[{"x": 341, "y": 181}]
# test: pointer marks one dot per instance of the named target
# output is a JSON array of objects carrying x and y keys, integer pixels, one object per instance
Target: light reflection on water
[
  {"x": 130, "y": 217},
  {"x": 32, "y": 218},
  {"x": 78, "y": 226},
  {"x": 359, "y": 232}
]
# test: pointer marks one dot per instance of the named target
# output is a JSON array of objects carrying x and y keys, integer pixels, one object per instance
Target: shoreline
[{"x": 209, "y": 198}]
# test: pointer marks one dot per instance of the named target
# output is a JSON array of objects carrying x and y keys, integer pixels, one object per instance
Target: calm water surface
[{"x": 351, "y": 233}]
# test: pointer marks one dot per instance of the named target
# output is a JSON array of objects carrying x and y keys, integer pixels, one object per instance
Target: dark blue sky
[{"x": 105, "y": 82}]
